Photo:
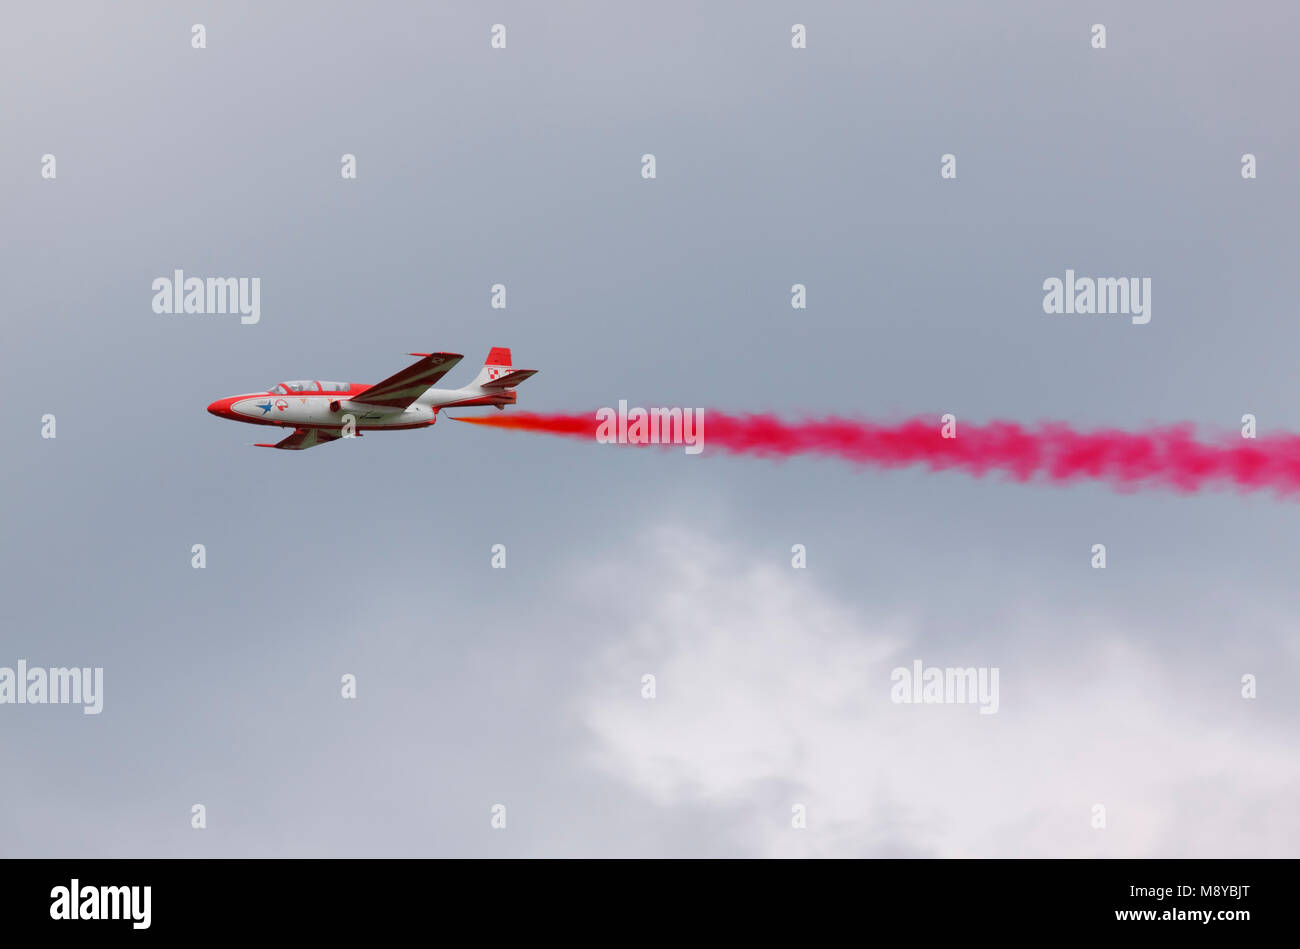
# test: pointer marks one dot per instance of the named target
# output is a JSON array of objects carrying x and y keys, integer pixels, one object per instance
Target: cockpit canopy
[{"x": 308, "y": 385}]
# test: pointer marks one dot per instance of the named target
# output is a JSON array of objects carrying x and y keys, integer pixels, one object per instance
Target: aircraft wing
[
  {"x": 304, "y": 438},
  {"x": 402, "y": 388}
]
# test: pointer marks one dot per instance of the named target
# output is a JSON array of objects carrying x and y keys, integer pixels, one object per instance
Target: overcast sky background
[{"x": 522, "y": 686}]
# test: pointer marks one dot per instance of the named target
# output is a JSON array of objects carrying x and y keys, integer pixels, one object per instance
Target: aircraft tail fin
[
  {"x": 495, "y": 366},
  {"x": 499, "y": 373}
]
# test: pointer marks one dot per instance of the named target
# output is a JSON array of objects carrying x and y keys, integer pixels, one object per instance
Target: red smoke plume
[{"x": 1167, "y": 457}]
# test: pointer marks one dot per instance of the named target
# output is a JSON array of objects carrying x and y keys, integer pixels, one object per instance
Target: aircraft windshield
[
  {"x": 278, "y": 390},
  {"x": 306, "y": 385}
]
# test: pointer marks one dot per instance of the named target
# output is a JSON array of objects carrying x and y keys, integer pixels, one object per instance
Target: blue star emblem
[{"x": 265, "y": 407}]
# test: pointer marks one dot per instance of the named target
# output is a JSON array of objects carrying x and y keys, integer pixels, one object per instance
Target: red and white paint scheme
[{"x": 320, "y": 412}]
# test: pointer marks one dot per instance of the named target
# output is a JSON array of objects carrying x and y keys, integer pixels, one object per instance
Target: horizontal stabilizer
[{"x": 509, "y": 380}]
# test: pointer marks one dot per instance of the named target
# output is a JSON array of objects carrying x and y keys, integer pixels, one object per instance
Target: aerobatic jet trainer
[{"x": 320, "y": 412}]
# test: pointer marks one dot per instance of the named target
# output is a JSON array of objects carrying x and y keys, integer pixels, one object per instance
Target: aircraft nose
[{"x": 221, "y": 408}]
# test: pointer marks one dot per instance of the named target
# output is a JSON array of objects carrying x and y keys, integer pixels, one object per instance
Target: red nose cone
[{"x": 221, "y": 408}]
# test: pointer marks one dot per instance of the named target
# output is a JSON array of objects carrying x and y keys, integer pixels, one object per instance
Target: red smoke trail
[{"x": 1167, "y": 457}]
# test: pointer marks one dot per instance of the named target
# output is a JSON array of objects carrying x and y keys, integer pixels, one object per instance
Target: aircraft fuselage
[{"x": 319, "y": 409}]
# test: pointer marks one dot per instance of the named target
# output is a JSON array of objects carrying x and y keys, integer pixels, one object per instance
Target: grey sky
[{"x": 521, "y": 686}]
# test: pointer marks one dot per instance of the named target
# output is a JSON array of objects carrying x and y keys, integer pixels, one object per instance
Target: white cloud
[{"x": 771, "y": 693}]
